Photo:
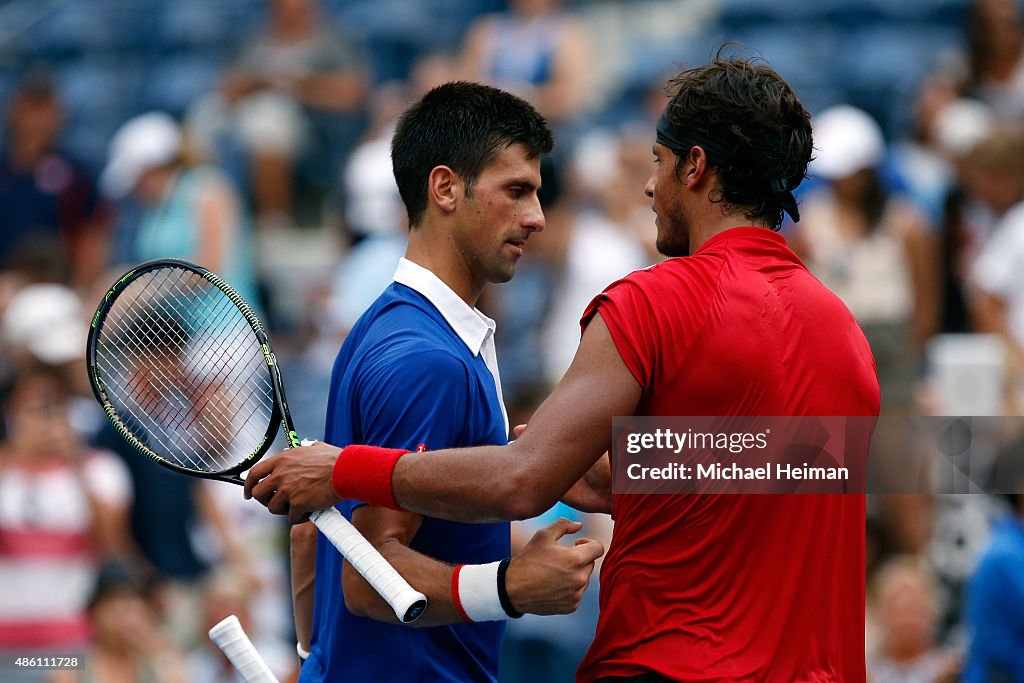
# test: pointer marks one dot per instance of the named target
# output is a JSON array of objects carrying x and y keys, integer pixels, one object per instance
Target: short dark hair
[
  {"x": 749, "y": 111},
  {"x": 463, "y": 126}
]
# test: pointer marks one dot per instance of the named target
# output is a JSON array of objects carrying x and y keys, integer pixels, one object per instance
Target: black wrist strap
[{"x": 506, "y": 603}]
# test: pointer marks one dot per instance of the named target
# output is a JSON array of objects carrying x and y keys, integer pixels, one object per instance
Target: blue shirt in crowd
[{"x": 995, "y": 609}]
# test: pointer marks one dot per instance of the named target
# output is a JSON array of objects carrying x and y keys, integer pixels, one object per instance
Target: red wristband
[
  {"x": 456, "y": 600},
  {"x": 364, "y": 473}
]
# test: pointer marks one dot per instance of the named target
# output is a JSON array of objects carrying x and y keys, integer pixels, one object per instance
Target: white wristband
[
  {"x": 303, "y": 653},
  {"x": 478, "y": 592}
]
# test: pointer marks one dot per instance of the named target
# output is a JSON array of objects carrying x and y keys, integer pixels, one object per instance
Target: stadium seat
[
  {"x": 173, "y": 83},
  {"x": 919, "y": 11},
  {"x": 190, "y": 24},
  {"x": 87, "y": 139},
  {"x": 75, "y": 28},
  {"x": 99, "y": 85},
  {"x": 802, "y": 54},
  {"x": 882, "y": 65},
  {"x": 739, "y": 14}
]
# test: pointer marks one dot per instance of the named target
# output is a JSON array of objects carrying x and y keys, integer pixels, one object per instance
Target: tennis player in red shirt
[{"x": 695, "y": 587}]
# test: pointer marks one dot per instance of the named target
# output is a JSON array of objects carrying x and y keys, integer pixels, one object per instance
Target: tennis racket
[
  {"x": 185, "y": 372},
  {"x": 230, "y": 637}
]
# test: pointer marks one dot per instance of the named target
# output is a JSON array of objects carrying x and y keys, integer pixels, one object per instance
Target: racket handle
[
  {"x": 406, "y": 601},
  {"x": 236, "y": 646}
]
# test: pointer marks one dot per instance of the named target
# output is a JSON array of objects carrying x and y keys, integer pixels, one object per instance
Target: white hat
[
  {"x": 846, "y": 140},
  {"x": 145, "y": 142},
  {"x": 47, "y": 320}
]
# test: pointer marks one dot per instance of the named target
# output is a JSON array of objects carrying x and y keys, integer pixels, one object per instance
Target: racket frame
[
  {"x": 280, "y": 416},
  {"x": 407, "y": 603}
]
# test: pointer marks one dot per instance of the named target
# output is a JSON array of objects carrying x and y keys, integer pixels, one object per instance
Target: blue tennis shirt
[{"x": 413, "y": 373}]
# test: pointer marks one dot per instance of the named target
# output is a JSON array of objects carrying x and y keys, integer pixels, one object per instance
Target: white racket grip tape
[
  {"x": 236, "y": 646},
  {"x": 407, "y": 602}
]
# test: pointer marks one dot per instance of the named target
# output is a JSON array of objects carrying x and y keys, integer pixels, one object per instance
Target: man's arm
[
  {"x": 593, "y": 491},
  {"x": 303, "y": 562},
  {"x": 564, "y": 438},
  {"x": 545, "y": 578},
  {"x": 567, "y": 434}
]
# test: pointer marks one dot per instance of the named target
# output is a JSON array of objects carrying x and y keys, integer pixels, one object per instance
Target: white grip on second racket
[
  {"x": 236, "y": 646},
  {"x": 407, "y": 602}
]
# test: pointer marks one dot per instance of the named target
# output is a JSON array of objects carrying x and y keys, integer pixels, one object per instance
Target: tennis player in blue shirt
[{"x": 418, "y": 371}]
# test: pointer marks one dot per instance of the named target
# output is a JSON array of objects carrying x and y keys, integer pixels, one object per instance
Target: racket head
[{"x": 184, "y": 370}]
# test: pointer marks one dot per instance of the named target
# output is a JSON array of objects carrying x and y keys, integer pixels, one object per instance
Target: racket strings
[
  {"x": 218, "y": 358},
  {"x": 185, "y": 372},
  {"x": 147, "y": 403},
  {"x": 178, "y": 417},
  {"x": 158, "y": 403},
  {"x": 220, "y": 364},
  {"x": 219, "y": 378}
]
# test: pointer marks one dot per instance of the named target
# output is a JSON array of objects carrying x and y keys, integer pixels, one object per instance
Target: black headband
[
  {"x": 718, "y": 156},
  {"x": 681, "y": 145}
]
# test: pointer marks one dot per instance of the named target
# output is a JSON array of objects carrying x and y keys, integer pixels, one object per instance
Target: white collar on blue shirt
[{"x": 472, "y": 326}]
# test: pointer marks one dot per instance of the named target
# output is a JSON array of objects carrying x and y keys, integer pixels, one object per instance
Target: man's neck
[
  {"x": 715, "y": 223},
  {"x": 441, "y": 258}
]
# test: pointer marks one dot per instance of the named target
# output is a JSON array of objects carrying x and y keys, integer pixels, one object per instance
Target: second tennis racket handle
[
  {"x": 236, "y": 646},
  {"x": 407, "y": 602}
]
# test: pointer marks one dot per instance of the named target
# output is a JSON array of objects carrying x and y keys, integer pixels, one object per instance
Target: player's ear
[
  {"x": 445, "y": 188},
  {"x": 698, "y": 167}
]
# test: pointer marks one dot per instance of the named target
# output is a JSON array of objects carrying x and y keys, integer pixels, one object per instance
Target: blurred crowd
[{"x": 277, "y": 176}]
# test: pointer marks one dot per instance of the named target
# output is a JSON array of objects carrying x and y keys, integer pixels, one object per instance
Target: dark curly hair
[{"x": 755, "y": 117}]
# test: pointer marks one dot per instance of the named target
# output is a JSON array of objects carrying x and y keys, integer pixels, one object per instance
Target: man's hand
[
  {"x": 548, "y": 578},
  {"x": 295, "y": 483},
  {"x": 593, "y": 492}
]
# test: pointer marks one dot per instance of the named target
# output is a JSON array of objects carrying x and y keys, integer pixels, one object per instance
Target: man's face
[
  {"x": 664, "y": 188},
  {"x": 500, "y": 215}
]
